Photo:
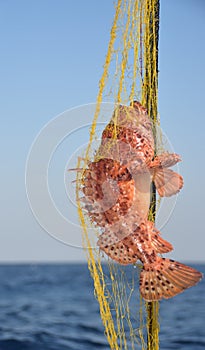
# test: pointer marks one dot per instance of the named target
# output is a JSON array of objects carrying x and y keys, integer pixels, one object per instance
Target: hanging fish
[{"x": 117, "y": 189}]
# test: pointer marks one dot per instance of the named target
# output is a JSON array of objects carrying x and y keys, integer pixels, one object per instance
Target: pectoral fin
[
  {"x": 167, "y": 182},
  {"x": 165, "y": 160}
]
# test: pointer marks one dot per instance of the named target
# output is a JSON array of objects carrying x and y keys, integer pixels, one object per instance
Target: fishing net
[{"x": 130, "y": 73}]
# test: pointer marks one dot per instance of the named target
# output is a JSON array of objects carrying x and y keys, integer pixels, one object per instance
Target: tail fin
[
  {"x": 167, "y": 182},
  {"x": 166, "y": 278}
]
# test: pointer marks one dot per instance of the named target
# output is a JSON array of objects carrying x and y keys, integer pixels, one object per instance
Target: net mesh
[{"x": 129, "y": 73}]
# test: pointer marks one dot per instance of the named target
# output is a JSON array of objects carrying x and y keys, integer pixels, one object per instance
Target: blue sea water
[{"x": 52, "y": 307}]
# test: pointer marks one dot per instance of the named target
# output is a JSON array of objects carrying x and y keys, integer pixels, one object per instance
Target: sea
[{"x": 53, "y": 307}]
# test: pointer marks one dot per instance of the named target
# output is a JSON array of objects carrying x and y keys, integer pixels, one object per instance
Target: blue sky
[{"x": 52, "y": 53}]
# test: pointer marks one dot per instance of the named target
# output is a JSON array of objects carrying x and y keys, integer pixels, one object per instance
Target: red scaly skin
[{"x": 117, "y": 199}]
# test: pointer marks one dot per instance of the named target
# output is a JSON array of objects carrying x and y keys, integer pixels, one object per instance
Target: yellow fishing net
[{"x": 130, "y": 73}]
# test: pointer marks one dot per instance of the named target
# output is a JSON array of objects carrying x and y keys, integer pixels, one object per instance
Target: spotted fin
[
  {"x": 148, "y": 238},
  {"x": 165, "y": 160},
  {"x": 167, "y": 182},
  {"x": 158, "y": 243},
  {"x": 116, "y": 249},
  {"x": 166, "y": 278},
  {"x": 125, "y": 248}
]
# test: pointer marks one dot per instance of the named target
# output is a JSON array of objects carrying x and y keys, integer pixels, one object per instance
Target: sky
[{"x": 52, "y": 53}]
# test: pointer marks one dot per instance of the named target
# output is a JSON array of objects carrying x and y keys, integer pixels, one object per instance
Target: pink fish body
[{"x": 117, "y": 189}]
